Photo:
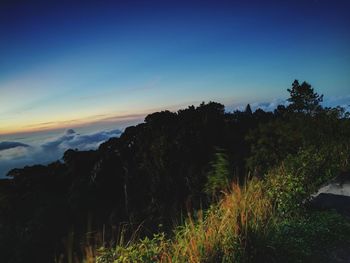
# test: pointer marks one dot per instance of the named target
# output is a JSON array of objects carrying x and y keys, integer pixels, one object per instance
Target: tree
[
  {"x": 248, "y": 110},
  {"x": 303, "y": 99}
]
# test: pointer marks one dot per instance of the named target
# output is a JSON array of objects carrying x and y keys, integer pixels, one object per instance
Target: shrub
[
  {"x": 219, "y": 175},
  {"x": 291, "y": 183},
  {"x": 144, "y": 250},
  {"x": 311, "y": 238}
]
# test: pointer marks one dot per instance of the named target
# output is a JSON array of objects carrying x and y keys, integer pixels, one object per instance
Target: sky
[
  {"x": 64, "y": 62},
  {"x": 97, "y": 66}
]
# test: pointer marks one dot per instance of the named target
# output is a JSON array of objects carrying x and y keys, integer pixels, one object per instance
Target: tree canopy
[{"x": 303, "y": 98}]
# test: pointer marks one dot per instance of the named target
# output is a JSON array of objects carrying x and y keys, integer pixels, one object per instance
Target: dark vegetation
[{"x": 147, "y": 181}]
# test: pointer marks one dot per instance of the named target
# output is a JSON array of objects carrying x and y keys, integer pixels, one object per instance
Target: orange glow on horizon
[
  {"x": 62, "y": 124},
  {"x": 73, "y": 121}
]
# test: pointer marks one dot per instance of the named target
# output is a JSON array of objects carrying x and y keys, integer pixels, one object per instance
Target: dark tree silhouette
[
  {"x": 248, "y": 110},
  {"x": 303, "y": 98}
]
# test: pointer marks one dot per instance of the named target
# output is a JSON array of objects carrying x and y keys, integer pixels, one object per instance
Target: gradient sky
[{"x": 65, "y": 64}]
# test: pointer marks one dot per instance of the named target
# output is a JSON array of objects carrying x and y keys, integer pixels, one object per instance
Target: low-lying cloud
[
  {"x": 343, "y": 101},
  {"x": 17, "y": 154},
  {"x": 10, "y": 145}
]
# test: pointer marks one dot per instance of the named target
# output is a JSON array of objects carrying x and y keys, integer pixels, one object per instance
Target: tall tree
[
  {"x": 303, "y": 98},
  {"x": 248, "y": 110}
]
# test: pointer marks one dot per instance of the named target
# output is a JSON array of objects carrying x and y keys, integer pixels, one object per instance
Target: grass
[
  {"x": 232, "y": 230},
  {"x": 224, "y": 233},
  {"x": 243, "y": 226}
]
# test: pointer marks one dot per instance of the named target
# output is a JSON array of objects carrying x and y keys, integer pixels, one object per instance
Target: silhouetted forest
[{"x": 159, "y": 170}]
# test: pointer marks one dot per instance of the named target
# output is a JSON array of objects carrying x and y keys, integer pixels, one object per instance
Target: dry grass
[
  {"x": 224, "y": 232},
  {"x": 229, "y": 231}
]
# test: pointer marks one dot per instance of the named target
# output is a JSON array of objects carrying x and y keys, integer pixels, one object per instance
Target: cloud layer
[
  {"x": 343, "y": 101},
  {"x": 10, "y": 145},
  {"x": 17, "y": 154}
]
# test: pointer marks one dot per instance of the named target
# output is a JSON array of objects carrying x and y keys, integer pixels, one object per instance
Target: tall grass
[
  {"x": 233, "y": 230},
  {"x": 227, "y": 231}
]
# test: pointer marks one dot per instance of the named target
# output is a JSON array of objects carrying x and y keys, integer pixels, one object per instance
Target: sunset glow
[{"x": 61, "y": 68}]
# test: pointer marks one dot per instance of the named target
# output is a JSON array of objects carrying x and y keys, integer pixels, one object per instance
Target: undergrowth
[
  {"x": 233, "y": 230},
  {"x": 242, "y": 227}
]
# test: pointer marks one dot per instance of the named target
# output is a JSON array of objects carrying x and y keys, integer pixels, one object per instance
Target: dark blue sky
[{"x": 65, "y": 63}]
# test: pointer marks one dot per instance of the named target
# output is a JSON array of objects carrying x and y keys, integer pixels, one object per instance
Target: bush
[
  {"x": 145, "y": 250},
  {"x": 292, "y": 183},
  {"x": 311, "y": 238},
  {"x": 286, "y": 190},
  {"x": 219, "y": 175}
]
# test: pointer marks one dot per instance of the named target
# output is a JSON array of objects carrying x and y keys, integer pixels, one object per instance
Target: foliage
[
  {"x": 234, "y": 230},
  {"x": 145, "y": 250},
  {"x": 303, "y": 98},
  {"x": 271, "y": 142},
  {"x": 292, "y": 183},
  {"x": 286, "y": 189},
  {"x": 314, "y": 237},
  {"x": 240, "y": 230},
  {"x": 220, "y": 174},
  {"x": 293, "y": 129}
]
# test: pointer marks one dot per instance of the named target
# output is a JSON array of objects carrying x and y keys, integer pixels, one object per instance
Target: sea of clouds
[{"x": 14, "y": 154}]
